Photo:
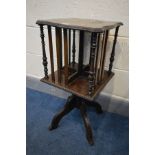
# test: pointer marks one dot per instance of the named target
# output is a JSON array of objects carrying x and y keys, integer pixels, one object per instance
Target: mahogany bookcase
[{"x": 68, "y": 71}]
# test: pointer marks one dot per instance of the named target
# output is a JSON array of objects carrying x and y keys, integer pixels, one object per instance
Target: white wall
[{"x": 114, "y": 10}]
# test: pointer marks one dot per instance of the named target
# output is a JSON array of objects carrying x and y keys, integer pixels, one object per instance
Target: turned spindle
[
  {"x": 69, "y": 45},
  {"x": 73, "y": 48},
  {"x": 92, "y": 58},
  {"x": 113, "y": 51},
  {"x": 43, "y": 51}
]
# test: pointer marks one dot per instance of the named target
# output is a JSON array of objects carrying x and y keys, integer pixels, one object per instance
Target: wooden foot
[
  {"x": 89, "y": 133},
  {"x": 67, "y": 108}
]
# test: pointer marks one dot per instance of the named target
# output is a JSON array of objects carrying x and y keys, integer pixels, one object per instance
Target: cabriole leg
[
  {"x": 67, "y": 108},
  {"x": 89, "y": 133}
]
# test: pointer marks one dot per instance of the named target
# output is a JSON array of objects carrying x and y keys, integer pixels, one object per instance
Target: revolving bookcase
[{"x": 69, "y": 70}]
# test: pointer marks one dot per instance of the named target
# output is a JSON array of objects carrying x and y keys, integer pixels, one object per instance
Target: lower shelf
[{"x": 79, "y": 86}]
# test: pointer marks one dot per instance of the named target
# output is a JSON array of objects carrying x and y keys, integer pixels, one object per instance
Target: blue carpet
[{"x": 110, "y": 130}]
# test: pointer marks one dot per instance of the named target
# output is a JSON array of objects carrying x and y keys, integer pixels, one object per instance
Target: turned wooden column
[
  {"x": 43, "y": 51},
  {"x": 92, "y": 58},
  {"x": 113, "y": 51},
  {"x": 73, "y": 48}
]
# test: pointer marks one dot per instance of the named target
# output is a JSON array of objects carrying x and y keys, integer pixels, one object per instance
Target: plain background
[{"x": 13, "y": 77}]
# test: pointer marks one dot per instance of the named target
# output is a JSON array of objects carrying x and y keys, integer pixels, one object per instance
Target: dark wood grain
[
  {"x": 43, "y": 51},
  {"x": 97, "y": 59},
  {"x": 101, "y": 58},
  {"x": 113, "y": 50},
  {"x": 81, "y": 50},
  {"x": 89, "y": 133},
  {"x": 69, "y": 45},
  {"x": 104, "y": 53},
  {"x": 79, "y": 86},
  {"x": 51, "y": 51},
  {"x": 67, "y": 108},
  {"x": 73, "y": 48},
  {"x": 90, "y": 25},
  {"x": 76, "y": 102},
  {"x": 66, "y": 55},
  {"x": 59, "y": 52},
  {"x": 83, "y": 81},
  {"x": 92, "y": 58}
]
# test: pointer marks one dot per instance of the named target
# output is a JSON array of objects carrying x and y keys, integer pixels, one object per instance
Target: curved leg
[
  {"x": 89, "y": 133},
  {"x": 67, "y": 108}
]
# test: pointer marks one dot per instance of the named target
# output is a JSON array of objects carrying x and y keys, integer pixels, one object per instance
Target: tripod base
[{"x": 80, "y": 103}]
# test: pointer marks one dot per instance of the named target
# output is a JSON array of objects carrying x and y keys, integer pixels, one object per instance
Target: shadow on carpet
[{"x": 111, "y": 131}]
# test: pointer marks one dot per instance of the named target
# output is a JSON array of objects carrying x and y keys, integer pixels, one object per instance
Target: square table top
[{"x": 81, "y": 24}]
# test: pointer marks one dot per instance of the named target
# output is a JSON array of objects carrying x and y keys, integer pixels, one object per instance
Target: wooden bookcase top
[{"x": 80, "y": 24}]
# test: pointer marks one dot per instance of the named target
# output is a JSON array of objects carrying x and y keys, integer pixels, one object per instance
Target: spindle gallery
[{"x": 68, "y": 71}]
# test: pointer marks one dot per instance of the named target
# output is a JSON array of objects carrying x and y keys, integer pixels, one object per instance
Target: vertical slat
[
  {"x": 81, "y": 47},
  {"x": 51, "y": 52},
  {"x": 66, "y": 55},
  {"x": 69, "y": 45},
  {"x": 96, "y": 57},
  {"x": 92, "y": 58},
  {"x": 60, "y": 47},
  {"x": 59, "y": 52},
  {"x": 44, "y": 52},
  {"x": 113, "y": 50},
  {"x": 104, "y": 53},
  {"x": 73, "y": 47},
  {"x": 101, "y": 59}
]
